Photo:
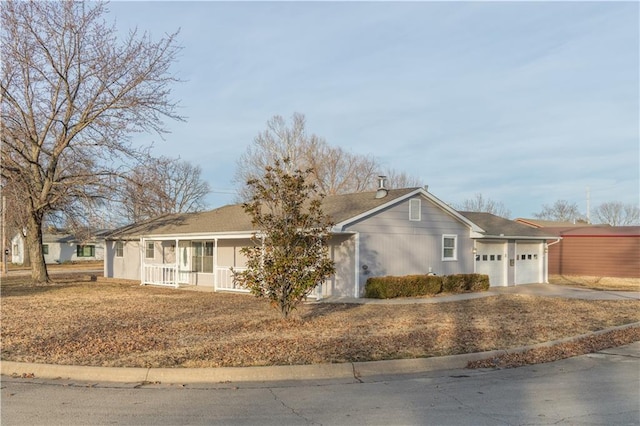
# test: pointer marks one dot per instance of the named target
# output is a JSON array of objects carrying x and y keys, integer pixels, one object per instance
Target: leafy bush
[{"x": 424, "y": 285}]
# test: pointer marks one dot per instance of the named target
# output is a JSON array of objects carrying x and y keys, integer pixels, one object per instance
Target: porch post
[
  {"x": 141, "y": 252},
  {"x": 176, "y": 254},
  {"x": 215, "y": 264}
]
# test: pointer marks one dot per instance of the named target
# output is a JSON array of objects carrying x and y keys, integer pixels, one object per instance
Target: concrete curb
[{"x": 352, "y": 371}]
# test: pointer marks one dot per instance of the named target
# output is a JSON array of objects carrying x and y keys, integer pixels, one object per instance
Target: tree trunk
[{"x": 39, "y": 273}]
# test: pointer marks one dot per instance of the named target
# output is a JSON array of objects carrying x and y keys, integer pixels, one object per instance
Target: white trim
[{"x": 201, "y": 236}]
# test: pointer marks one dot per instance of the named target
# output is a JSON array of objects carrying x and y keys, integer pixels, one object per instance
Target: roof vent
[{"x": 382, "y": 191}]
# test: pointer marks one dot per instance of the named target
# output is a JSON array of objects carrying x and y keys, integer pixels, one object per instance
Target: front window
[
  {"x": 119, "y": 249},
  {"x": 45, "y": 249},
  {"x": 150, "y": 252},
  {"x": 85, "y": 250},
  {"x": 449, "y": 247},
  {"x": 202, "y": 260}
]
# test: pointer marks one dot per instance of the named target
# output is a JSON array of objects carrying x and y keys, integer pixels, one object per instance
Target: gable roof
[
  {"x": 341, "y": 209},
  {"x": 496, "y": 226}
]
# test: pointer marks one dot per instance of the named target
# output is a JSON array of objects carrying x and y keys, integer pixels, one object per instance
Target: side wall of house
[
  {"x": 391, "y": 244},
  {"x": 342, "y": 250},
  {"x": 127, "y": 266},
  {"x": 597, "y": 256}
]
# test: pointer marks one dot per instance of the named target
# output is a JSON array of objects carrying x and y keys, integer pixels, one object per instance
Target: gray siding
[
  {"x": 127, "y": 266},
  {"x": 391, "y": 244}
]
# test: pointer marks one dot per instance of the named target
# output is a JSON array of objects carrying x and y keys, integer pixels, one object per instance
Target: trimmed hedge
[
  {"x": 465, "y": 283},
  {"x": 424, "y": 285}
]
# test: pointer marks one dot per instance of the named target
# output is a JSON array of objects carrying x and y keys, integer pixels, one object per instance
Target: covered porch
[{"x": 206, "y": 261}]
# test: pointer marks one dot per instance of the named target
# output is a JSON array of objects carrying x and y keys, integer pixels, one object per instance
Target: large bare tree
[
  {"x": 334, "y": 170},
  {"x": 163, "y": 185},
  {"x": 617, "y": 214},
  {"x": 72, "y": 94}
]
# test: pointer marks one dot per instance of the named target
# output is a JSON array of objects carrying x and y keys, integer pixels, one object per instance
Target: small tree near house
[{"x": 290, "y": 256}]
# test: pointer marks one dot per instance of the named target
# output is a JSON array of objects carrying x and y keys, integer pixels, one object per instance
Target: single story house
[
  {"x": 60, "y": 246},
  {"x": 378, "y": 233},
  {"x": 593, "y": 250}
]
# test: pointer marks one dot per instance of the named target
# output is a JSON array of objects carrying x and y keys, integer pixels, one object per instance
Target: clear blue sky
[{"x": 526, "y": 103}]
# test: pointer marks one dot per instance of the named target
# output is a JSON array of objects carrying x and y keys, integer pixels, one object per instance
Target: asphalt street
[{"x": 596, "y": 389}]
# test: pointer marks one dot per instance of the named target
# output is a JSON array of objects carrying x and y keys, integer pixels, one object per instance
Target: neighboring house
[
  {"x": 593, "y": 250},
  {"x": 385, "y": 232},
  {"x": 60, "y": 247}
]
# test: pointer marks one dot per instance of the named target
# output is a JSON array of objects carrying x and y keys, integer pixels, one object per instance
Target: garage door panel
[
  {"x": 528, "y": 263},
  {"x": 491, "y": 260}
]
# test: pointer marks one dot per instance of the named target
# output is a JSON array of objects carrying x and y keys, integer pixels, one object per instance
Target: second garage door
[{"x": 528, "y": 263}]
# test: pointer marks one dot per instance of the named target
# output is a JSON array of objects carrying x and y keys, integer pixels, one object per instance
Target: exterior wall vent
[{"x": 382, "y": 191}]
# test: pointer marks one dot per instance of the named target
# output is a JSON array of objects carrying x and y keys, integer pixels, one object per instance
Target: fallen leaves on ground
[
  {"x": 581, "y": 346},
  {"x": 114, "y": 323}
]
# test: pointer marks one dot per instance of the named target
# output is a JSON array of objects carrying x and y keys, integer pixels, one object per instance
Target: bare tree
[
  {"x": 397, "y": 179},
  {"x": 484, "y": 205},
  {"x": 72, "y": 93},
  {"x": 560, "y": 211},
  {"x": 334, "y": 170},
  {"x": 163, "y": 185},
  {"x": 618, "y": 214}
]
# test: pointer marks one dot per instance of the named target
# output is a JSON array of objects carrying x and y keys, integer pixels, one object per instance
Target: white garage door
[
  {"x": 491, "y": 260},
  {"x": 528, "y": 263}
]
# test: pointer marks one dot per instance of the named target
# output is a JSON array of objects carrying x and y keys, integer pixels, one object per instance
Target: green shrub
[{"x": 424, "y": 285}]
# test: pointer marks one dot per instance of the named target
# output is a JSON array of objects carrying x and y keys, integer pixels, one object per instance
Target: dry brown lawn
[
  {"x": 116, "y": 323},
  {"x": 597, "y": 283}
]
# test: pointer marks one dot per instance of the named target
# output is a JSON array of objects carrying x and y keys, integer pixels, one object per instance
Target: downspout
[{"x": 546, "y": 259}]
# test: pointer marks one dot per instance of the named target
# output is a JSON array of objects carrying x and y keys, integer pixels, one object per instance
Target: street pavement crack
[{"x": 293, "y": 410}]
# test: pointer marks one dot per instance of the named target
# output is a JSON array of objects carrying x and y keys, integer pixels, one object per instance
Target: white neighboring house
[{"x": 60, "y": 247}]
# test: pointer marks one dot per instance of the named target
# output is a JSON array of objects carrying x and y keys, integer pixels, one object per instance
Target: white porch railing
[
  {"x": 164, "y": 275},
  {"x": 225, "y": 282}
]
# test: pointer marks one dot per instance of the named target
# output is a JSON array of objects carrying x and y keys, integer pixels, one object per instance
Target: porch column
[
  {"x": 142, "y": 277},
  {"x": 176, "y": 254},
  {"x": 215, "y": 264}
]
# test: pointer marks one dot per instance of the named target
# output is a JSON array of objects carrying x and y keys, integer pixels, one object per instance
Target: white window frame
[
  {"x": 454, "y": 256},
  {"x": 415, "y": 206},
  {"x": 119, "y": 248}
]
